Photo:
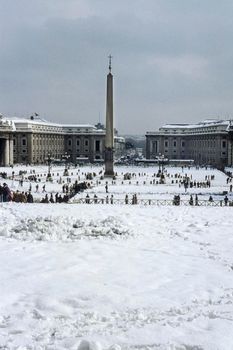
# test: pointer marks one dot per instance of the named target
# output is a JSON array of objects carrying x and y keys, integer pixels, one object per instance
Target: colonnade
[{"x": 6, "y": 151}]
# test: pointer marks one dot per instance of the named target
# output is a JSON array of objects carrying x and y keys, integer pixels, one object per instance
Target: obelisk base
[{"x": 109, "y": 172}]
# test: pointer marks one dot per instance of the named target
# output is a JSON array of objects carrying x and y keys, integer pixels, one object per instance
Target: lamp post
[
  {"x": 66, "y": 157},
  {"x": 49, "y": 160},
  {"x": 161, "y": 162}
]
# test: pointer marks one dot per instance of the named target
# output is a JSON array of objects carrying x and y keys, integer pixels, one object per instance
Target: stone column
[
  {"x": 30, "y": 148},
  {"x": 6, "y": 155},
  {"x": 229, "y": 152},
  {"x": 109, "y": 137},
  {"x": 11, "y": 152}
]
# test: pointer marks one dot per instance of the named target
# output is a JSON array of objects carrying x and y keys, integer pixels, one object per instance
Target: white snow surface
[
  {"x": 141, "y": 183},
  {"x": 114, "y": 277}
]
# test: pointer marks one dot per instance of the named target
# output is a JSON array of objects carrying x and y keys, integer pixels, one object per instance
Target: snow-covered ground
[
  {"x": 117, "y": 277},
  {"x": 143, "y": 182}
]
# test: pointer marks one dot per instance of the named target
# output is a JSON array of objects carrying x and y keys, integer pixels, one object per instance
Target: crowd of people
[
  {"x": 6, "y": 195},
  {"x": 58, "y": 198},
  {"x": 22, "y": 197},
  {"x": 69, "y": 189}
]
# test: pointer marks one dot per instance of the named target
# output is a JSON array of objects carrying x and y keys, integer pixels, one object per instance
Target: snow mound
[
  {"x": 90, "y": 345},
  {"x": 65, "y": 229},
  {"x": 86, "y": 345}
]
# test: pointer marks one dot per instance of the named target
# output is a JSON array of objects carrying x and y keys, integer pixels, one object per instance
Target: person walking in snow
[
  {"x": 210, "y": 199},
  {"x": 87, "y": 199},
  {"x": 95, "y": 199},
  {"x": 51, "y": 198},
  {"x": 225, "y": 200},
  {"x": 46, "y": 199},
  {"x": 56, "y": 197},
  {"x": 106, "y": 188},
  {"x": 191, "y": 200},
  {"x": 29, "y": 198},
  {"x": 6, "y": 192}
]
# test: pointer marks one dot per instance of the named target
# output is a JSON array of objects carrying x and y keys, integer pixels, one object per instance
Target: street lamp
[
  {"x": 161, "y": 162},
  {"x": 66, "y": 156},
  {"x": 160, "y": 158},
  {"x": 49, "y": 160}
]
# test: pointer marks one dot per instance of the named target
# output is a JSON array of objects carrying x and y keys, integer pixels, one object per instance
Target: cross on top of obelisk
[{"x": 110, "y": 63}]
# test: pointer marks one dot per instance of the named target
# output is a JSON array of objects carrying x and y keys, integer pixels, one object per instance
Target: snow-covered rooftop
[
  {"x": 16, "y": 123},
  {"x": 204, "y": 123},
  {"x": 41, "y": 121}
]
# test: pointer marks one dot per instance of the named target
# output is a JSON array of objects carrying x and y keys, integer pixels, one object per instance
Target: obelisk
[{"x": 109, "y": 136}]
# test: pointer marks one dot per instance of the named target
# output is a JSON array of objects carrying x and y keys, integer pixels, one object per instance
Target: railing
[
  {"x": 144, "y": 202},
  {"x": 155, "y": 202}
]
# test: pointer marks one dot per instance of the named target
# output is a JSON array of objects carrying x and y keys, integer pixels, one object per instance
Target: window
[
  {"x": 182, "y": 144},
  {"x": 86, "y": 143},
  {"x": 166, "y": 144},
  {"x": 97, "y": 145},
  {"x": 174, "y": 143},
  {"x": 78, "y": 143},
  {"x": 154, "y": 147},
  {"x": 69, "y": 142},
  {"x": 224, "y": 144},
  {"x": 24, "y": 141}
]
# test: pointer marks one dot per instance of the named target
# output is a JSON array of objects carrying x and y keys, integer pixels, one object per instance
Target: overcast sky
[{"x": 172, "y": 60}]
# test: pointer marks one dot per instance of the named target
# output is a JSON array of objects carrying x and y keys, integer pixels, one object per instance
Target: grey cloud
[{"x": 171, "y": 60}]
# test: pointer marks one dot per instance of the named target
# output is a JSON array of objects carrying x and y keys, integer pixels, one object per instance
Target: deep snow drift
[{"x": 115, "y": 277}]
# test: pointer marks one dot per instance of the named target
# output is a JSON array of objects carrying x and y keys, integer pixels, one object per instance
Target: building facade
[
  {"x": 207, "y": 143},
  {"x": 30, "y": 141},
  {"x": 7, "y": 129}
]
